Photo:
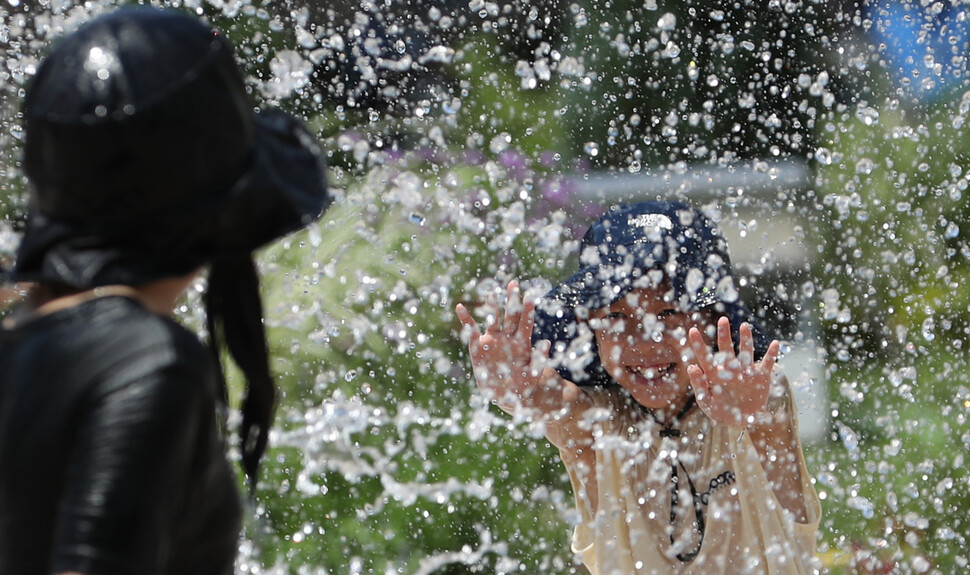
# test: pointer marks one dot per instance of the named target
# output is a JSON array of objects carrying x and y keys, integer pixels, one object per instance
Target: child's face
[{"x": 642, "y": 340}]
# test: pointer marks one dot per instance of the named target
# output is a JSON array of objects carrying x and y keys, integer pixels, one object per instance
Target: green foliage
[
  {"x": 894, "y": 487},
  {"x": 503, "y": 109},
  {"x": 13, "y": 188},
  {"x": 894, "y": 187},
  {"x": 897, "y": 320},
  {"x": 692, "y": 81}
]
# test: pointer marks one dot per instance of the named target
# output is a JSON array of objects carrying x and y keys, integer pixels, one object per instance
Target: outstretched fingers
[
  {"x": 746, "y": 350},
  {"x": 771, "y": 356},
  {"x": 731, "y": 387},
  {"x": 540, "y": 357},
  {"x": 725, "y": 343},
  {"x": 700, "y": 384},
  {"x": 466, "y": 319},
  {"x": 527, "y": 322},
  {"x": 513, "y": 308},
  {"x": 501, "y": 351},
  {"x": 703, "y": 357}
]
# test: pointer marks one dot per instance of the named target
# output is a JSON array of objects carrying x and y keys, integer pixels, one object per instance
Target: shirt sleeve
[
  {"x": 610, "y": 415},
  {"x": 806, "y": 532},
  {"x": 132, "y": 449}
]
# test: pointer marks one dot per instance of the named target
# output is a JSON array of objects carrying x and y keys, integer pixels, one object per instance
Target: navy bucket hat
[{"x": 632, "y": 246}]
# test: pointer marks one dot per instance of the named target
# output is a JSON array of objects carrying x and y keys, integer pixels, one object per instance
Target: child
[{"x": 651, "y": 377}]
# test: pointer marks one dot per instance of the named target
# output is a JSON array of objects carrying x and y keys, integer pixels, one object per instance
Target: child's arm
[
  {"x": 775, "y": 437},
  {"x": 515, "y": 375},
  {"x": 733, "y": 389}
]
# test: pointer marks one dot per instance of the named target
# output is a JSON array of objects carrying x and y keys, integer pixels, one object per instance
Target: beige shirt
[{"x": 746, "y": 530}]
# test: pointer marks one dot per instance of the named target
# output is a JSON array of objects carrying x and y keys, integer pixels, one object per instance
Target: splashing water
[{"x": 470, "y": 144}]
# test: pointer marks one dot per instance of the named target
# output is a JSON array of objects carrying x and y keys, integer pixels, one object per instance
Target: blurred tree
[{"x": 695, "y": 81}]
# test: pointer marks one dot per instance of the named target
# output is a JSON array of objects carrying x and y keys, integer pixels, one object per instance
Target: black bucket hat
[
  {"x": 146, "y": 161},
  {"x": 637, "y": 245}
]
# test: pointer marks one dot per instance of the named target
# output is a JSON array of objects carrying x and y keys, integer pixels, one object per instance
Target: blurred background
[{"x": 471, "y": 142}]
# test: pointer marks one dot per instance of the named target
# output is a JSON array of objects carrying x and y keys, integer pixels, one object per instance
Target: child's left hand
[{"x": 732, "y": 389}]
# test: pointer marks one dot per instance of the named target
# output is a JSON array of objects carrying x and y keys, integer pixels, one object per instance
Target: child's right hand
[
  {"x": 507, "y": 367},
  {"x": 518, "y": 378}
]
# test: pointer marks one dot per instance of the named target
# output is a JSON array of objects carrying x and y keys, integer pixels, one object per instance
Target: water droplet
[
  {"x": 437, "y": 54},
  {"x": 290, "y": 72},
  {"x": 808, "y": 289},
  {"x": 667, "y": 22},
  {"x": 694, "y": 281},
  {"x": 864, "y": 166},
  {"x": 671, "y": 50},
  {"x": 823, "y": 156},
  {"x": 500, "y": 143},
  {"x": 726, "y": 290}
]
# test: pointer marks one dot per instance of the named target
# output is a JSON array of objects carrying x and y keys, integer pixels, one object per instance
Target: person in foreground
[
  {"x": 147, "y": 162},
  {"x": 663, "y": 395}
]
